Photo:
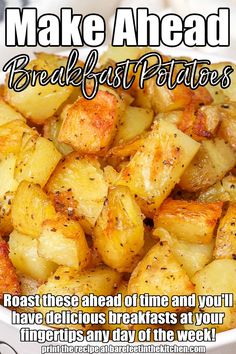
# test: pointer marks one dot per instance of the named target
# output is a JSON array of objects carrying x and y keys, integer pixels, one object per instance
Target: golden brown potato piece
[
  {"x": 78, "y": 189},
  {"x": 63, "y": 242},
  {"x": 7, "y": 168},
  {"x": 24, "y": 256},
  {"x": 227, "y": 130},
  {"x": 8, "y": 114},
  {"x": 89, "y": 126},
  {"x": 51, "y": 130},
  {"x": 118, "y": 233},
  {"x": 225, "y": 246},
  {"x": 159, "y": 273},
  {"x": 224, "y": 191},
  {"x": 9, "y": 283},
  {"x": 123, "y": 290},
  {"x": 218, "y": 277},
  {"x": 158, "y": 165},
  {"x": 36, "y": 161},
  {"x": 192, "y": 256},
  {"x": 38, "y": 103},
  {"x": 214, "y": 159},
  {"x": 30, "y": 208},
  {"x": 5, "y": 214},
  {"x": 134, "y": 122},
  {"x": 11, "y": 136},
  {"x": 67, "y": 281},
  {"x": 191, "y": 221}
]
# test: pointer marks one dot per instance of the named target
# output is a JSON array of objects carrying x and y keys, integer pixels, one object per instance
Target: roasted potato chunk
[
  {"x": 11, "y": 135},
  {"x": 190, "y": 221},
  {"x": 38, "y": 103},
  {"x": 224, "y": 191},
  {"x": 159, "y": 273},
  {"x": 134, "y": 122},
  {"x": 30, "y": 208},
  {"x": 78, "y": 189},
  {"x": 67, "y": 281},
  {"x": 63, "y": 242},
  {"x": 7, "y": 168},
  {"x": 192, "y": 256},
  {"x": 51, "y": 130},
  {"x": 227, "y": 129},
  {"x": 158, "y": 165},
  {"x": 9, "y": 283},
  {"x": 225, "y": 246},
  {"x": 89, "y": 126},
  {"x": 118, "y": 233},
  {"x": 25, "y": 258},
  {"x": 31, "y": 163},
  {"x": 8, "y": 114},
  {"x": 208, "y": 281},
  {"x": 123, "y": 290},
  {"x": 214, "y": 159}
]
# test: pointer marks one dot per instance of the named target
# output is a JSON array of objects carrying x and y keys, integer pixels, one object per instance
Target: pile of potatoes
[{"x": 131, "y": 192}]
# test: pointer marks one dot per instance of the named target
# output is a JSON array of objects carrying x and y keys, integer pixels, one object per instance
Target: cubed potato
[
  {"x": 9, "y": 283},
  {"x": 11, "y": 136},
  {"x": 110, "y": 175},
  {"x": 192, "y": 256},
  {"x": 68, "y": 281},
  {"x": 63, "y": 242},
  {"x": 227, "y": 129},
  {"x": 7, "y": 168},
  {"x": 214, "y": 159},
  {"x": 38, "y": 103},
  {"x": 191, "y": 221},
  {"x": 158, "y": 165},
  {"x": 78, "y": 189},
  {"x": 8, "y": 114},
  {"x": 8, "y": 187},
  {"x": 159, "y": 273},
  {"x": 5, "y": 214},
  {"x": 225, "y": 246},
  {"x": 228, "y": 93},
  {"x": 218, "y": 277},
  {"x": 207, "y": 120},
  {"x": 25, "y": 258},
  {"x": 134, "y": 122},
  {"x": 224, "y": 191},
  {"x": 36, "y": 161},
  {"x": 89, "y": 126},
  {"x": 51, "y": 130},
  {"x": 118, "y": 233},
  {"x": 31, "y": 206},
  {"x": 123, "y": 290}
]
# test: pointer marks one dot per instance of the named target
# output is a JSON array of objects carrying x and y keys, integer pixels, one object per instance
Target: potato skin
[
  {"x": 158, "y": 165},
  {"x": 9, "y": 283},
  {"x": 118, "y": 234},
  {"x": 89, "y": 126},
  {"x": 159, "y": 273},
  {"x": 191, "y": 221},
  {"x": 225, "y": 246}
]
